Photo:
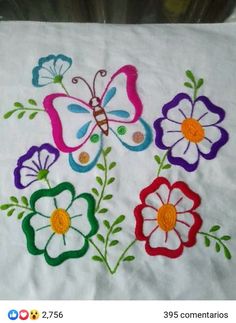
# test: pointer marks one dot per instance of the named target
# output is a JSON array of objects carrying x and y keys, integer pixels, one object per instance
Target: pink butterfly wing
[{"x": 71, "y": 119}]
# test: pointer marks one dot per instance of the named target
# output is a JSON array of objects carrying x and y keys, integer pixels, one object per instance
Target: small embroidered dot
[
  {"x": 138, "y": 137},
  {"x": 84, "y": 157},
  {"x": 94, "y": 138},
  {"x": 192, "y": 130},
  {"x": 121, "y": 130},
  {"x": 60, "y": 221}
]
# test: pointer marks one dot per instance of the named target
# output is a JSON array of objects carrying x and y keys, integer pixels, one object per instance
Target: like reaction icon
[
  {"x": 12, "y": 315},
  {"x": 23, "y": 315}
]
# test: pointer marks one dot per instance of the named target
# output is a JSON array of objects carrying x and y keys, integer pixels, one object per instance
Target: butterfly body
[{"x": 99, "y": 115}]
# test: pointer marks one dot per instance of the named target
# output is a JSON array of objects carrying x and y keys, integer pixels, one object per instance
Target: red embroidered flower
[{"x": 166, "y": 218}]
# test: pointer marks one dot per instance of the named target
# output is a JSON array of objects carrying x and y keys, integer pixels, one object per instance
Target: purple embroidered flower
[
  {"x": 34, "y": 165},
  {"x": 190, "y": 130}
]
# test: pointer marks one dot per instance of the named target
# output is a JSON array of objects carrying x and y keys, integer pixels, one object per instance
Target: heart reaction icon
[{"x": 23, "y": 315}]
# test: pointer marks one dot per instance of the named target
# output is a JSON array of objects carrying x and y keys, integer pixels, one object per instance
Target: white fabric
[{"x": 161, "y": 54}]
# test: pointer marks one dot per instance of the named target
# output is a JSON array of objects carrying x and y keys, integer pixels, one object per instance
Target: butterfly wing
[
  {"x": 71, "y": 119},
  {"x": 120, "y": 98},
  {"x": 135, "y": 136}
]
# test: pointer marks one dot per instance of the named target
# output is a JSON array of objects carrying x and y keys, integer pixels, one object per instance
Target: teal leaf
[
  {"x": 18, "y": 105},
  {"x": 100, "y": 237},
  {"x": 5, "y": 206},
  {"x": 9, "y": 213},
  {"x": 112, "y": 165},
  {"x": 103, "y": 210},
  {"x": 119, "y": 219},
  {"x": 111, "y": 180},
  {"x": 190, "y": 75},
  {"x": 217, "y": 247},
  {"x": 14, "y": 199},
  {"x": 21, "y": 115},
  {"x": 107, "y": 224},
  {"x": 95, "y": 191},
  {"x": 32, "y": 102},
  {"x": 157, "y": 159},
  {"x": 113, "y": 243},
  {"x": 207, "y": 241},
  {"x": 108, "y": 197},
  {"x": 101, "y": 167},
  {"x": 99, "y": 180},
  {"x": 200, "y": 83},
  {"x": 24, "y": 200},
  {"x": 8, "y": 114},
  {"x": 107, "y": 151},
  {"x": 227, "y": 253},
  {"x": 187, "y": 84},
  {"x": 214, "y": 228},
  {"x": 33, "y": 115},
  {"x": 20, "y": 215},
  {"x": 97, "y": 258},
  {"x": 116, "y": 230},
  {"x": 129, "y": 258},
  {"x": 167, "y": 166},
  {"x": 225, "y": 238}
]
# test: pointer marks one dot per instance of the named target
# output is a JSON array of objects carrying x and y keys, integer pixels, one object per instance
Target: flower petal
[
  {"x": 47, "y": 156},
  {"x": 149, "y": 226},
  {"x": 45, "y": 205},
  {"x": 24, "y": 177},
  {"x": 62, "y": 64},
  {"x": 181, "y": 202},
  {"x": 162, "y": 239},
  {"x": 180, "y": 111},
  {"x": 186, "y": 217},
  {"x": 183, "y": 229},
  {"x": 206, "y": 112},
  {"x": 159, "y": 197},
  {"x": 42, "y": 230},
  {"x": 171, "y": 132}
]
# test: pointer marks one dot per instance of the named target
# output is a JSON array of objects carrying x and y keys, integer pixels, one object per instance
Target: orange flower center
[
  {"x": 192, "y": 130},
  {"x": 166, "y": 217},
  {"x": 60, "y": 221}
]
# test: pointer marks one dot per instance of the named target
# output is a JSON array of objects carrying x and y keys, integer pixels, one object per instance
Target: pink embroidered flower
[{"x": 166, "y": 219}]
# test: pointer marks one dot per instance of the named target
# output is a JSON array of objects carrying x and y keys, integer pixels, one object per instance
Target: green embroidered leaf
[
  {"x": 103, "y": 210},
  {"x": 214, "y": 228},
  {"x": 32, "y": 102},
  {"x": 113, "y": 243},
  {"x": 227, "y": 253},
  {"x": 108, "y": 197},
  {"x": 129, "y": 258},
  {"x": 99, "y": 180},
  {"x": 24, "y": 200},
  {"x": 100, "y": 237},
  {"x": 190, "y": 75},
  {"x": 20, "y": 215},
  {"x": 18, "y": 105},
  {"x": 21, "y": 115},
  {"x": 207, "y": 241},
  {"x": 217, "y": 246},
  {"x": 97, "y": 258},
  {"x": 5, "y": 206},
  {"x": 119, "y": 219},
  {"x": 200, "y": 83},
  {"x": 8, "y": 114},
  {"x": 157, "y": 159},
  {"x": 107, "y": 151},
  {"x": 111, "y": 180},
  {"x": 107, "y": 224},
  {"x": 225, "y": 238},
  {"x": 101, "y": 167},
  {"x": 14, "y": 199},
  {"x": 167, "y": 166},
  {"x": 95, "y": 191},
  {"x": 33, "y": 115},
  {"x": 112, "y": 165},
  {"x": 187, "y": 84},
  {"x": 9, "y": 213},
  {"x": 116, "y": 230}
]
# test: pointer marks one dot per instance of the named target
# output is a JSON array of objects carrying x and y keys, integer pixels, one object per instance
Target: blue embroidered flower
[{"x": 50, "y": 69}]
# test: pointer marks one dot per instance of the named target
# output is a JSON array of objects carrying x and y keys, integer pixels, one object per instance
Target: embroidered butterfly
[{"x": 79, "y": 128}]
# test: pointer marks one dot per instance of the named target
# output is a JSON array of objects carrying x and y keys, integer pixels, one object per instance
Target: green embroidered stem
[
  {"x": 123, "y": 255},
  {"x": 11, "y": 207},
  {"x": 20, "y": 109},
  {"x": 31, "y": 109},
  {"x": 64, "y": 88},
  {"x": 100, "y": 253},
  {"x": 193, "y": 83},
  {"x": 160, "y": 162},
  {"x": 219, "y": 243},
  {"x": 104, "y": 182},
  {"x": 48, "y": 183}
]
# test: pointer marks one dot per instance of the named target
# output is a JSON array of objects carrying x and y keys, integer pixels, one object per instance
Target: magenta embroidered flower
[
  {"x": 34, "y": 165},
  {"x": 189, "y": 130}
]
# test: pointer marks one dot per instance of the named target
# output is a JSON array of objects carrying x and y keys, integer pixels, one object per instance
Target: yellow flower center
[
  {"x": 192, "y": 130},
  {"x": 60, "y": 221},
  {"x": 166, "y": 217}
]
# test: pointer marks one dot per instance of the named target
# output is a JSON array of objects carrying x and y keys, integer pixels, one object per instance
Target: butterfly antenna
[
  {"x": 102, "y": 73},
  {"x": 76, "y": 79}
]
